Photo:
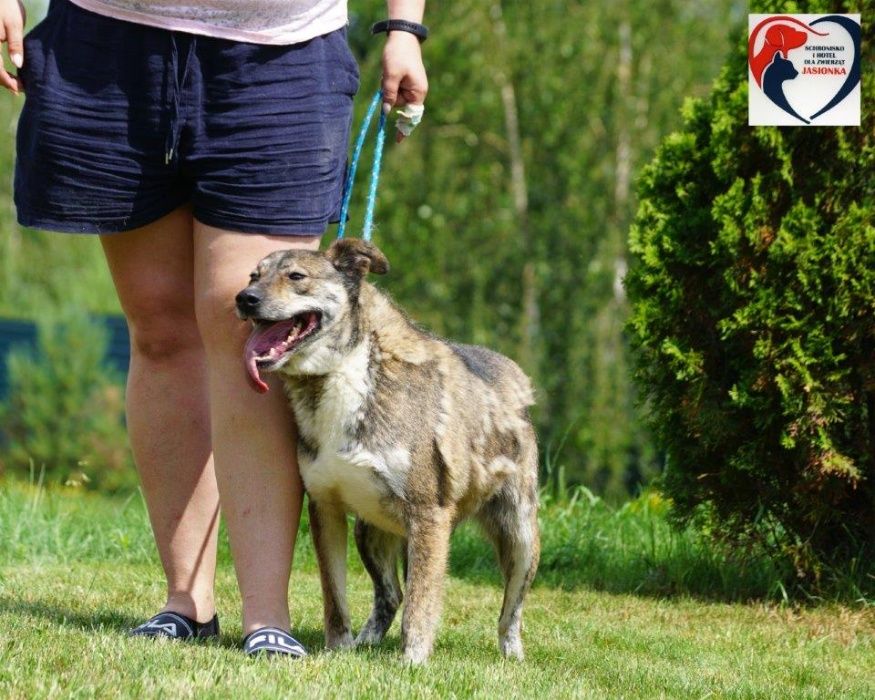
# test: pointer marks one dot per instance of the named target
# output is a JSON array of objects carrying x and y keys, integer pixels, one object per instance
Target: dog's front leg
[
  {"x": 328, "y": 527},
  {"x": 428, "y": 541}
]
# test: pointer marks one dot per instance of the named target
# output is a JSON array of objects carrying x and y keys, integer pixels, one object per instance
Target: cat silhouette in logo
[{"x": 773, "y": 83}]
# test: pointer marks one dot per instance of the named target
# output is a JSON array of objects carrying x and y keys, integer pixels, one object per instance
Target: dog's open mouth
[{"x": 270, "y": 342}]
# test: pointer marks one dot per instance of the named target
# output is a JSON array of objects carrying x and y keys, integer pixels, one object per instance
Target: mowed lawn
[{"x": 77, "y": 571}]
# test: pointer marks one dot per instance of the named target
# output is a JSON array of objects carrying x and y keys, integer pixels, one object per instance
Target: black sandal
[
  {"x": 176, "y": 626},
  {"x": 272, "y": 641}
]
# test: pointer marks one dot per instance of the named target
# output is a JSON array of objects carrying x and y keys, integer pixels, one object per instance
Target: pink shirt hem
[{"x": 306, "y": 28}]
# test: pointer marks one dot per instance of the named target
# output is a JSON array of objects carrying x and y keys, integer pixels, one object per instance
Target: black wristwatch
[{"x": 420, "y": 31}]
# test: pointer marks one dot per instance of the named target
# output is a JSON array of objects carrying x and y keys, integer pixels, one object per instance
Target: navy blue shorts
[{"x": 123, "y": 123}]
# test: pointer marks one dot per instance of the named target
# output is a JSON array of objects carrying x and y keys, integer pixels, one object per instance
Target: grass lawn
[{"x": 77, "y": 571}]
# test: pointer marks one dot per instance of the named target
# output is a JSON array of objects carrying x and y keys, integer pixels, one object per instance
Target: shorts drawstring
[{"x": 175, "y": 81}]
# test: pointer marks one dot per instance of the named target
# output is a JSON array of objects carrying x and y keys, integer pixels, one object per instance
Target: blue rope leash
[{"x": 368, "y": 224}]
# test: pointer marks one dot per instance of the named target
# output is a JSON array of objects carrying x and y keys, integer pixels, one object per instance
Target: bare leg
[
  {"x": 253, "y": 434},
  {"x": 167, "y": 404},
  {"x": 328, "y": 527}
]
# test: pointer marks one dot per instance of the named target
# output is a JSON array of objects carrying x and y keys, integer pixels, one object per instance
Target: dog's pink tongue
[
  {"x": 260, "y": 342},
  {"x": 257, "y": 382}
]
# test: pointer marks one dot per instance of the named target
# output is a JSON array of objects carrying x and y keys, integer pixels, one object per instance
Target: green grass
[{"x": 623, "y": 608}]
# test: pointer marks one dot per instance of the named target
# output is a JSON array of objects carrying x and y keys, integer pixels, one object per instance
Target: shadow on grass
[
  {"x": 475, "y": 563},
  {"x": 102, "y": 620},
  {"x": 91, "y": 620},
  {"x": 634, "y": 550},
  {"x": 630, "y": 550}
]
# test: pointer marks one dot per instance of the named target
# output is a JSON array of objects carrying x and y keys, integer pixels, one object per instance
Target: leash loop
[{"x": 368, "y": 224}]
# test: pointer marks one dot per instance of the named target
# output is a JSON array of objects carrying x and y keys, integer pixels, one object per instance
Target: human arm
[
  {"x": 12, "y": 18},
  {"x": 404, "y": 79}
]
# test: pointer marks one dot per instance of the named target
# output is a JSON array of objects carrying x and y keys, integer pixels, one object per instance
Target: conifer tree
[{"x": 753, "y": 297}]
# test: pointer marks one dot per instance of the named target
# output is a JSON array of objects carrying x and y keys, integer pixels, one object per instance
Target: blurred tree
[
  {"x": 506, "y": 214},
  {"x": 65, "y": 409}
]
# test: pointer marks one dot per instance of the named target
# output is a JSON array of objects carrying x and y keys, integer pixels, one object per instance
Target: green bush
[
  {"x": 64, "y": 415},
  {"x": 753, "y": 292}
]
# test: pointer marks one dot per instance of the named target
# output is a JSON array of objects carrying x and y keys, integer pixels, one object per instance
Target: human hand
[
  {"x": 12, "y": 18},
  {"x": 404, "y": 79}
]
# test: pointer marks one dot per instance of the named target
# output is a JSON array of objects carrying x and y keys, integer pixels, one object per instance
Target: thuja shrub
[
  {"x": 64, "y": 416},
  {"x": 753, "y": 320}
]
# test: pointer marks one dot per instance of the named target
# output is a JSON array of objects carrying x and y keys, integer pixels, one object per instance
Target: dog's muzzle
[{"x": 248, "y": 301}]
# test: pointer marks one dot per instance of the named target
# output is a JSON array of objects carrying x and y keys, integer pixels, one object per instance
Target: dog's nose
[{"x": 248, "y": 300}]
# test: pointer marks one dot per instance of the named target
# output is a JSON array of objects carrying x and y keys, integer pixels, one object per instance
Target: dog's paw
[
  {"x": 511, "y": 647},
  {"x": 368, "y": 637},
  {"x": 339, "y": 641},
  {"x": 416, "y": 654}
]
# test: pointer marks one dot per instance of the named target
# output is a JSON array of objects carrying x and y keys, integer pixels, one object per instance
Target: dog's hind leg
[
  {"x": 511, "y": 521},
  {"x": 428, "y": 542},
  {"x": 328, "y": 528},
  {"x": 379, "y": 552},
  {"x": 404, "y": 567}
]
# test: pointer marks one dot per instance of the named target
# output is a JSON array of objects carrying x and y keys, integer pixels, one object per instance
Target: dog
[{"x": 409, "y": 432}]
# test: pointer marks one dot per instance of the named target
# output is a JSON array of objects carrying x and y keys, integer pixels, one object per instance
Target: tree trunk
[{"x": 531, "y": 314}]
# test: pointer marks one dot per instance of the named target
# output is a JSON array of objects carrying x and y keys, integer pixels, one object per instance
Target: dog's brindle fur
[{"x": 409, "y": 432}]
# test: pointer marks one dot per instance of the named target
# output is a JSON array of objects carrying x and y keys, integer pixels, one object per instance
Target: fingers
[
  {"x": 411, "y": 101},
  {"x": 408, "y": 89},
  {"x": 404, "y": 89},
  {"x": 10, "y": 82},
  {"x": 404, "y": 79},
  {"x": 14, "y": 42},
  {"x": 12, "y": 33},
  {"x": 389, "y": 87}
]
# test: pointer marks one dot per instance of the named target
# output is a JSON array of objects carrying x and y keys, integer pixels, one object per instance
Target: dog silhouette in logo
[
  {"x": 779, "y": 38},
  {"x": 773, "y": 83}
]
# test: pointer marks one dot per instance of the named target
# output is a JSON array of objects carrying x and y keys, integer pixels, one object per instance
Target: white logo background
[{"x": 806, "y": 93}]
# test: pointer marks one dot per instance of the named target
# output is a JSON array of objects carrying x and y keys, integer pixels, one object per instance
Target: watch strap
[{"x": 400, "y": 25}]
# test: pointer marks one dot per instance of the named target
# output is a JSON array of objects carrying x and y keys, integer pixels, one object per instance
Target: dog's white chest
[
  {"x": 342, "y": 470},
  {"x": 355, "y": 481}
]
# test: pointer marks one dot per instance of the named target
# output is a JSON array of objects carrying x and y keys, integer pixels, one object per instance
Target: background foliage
[
  {"x": 506, "y": 218},
  {"x": 506, "y": 215},
  {"x": 753, "y": 295},
  {"x": 64, "y": 416}
]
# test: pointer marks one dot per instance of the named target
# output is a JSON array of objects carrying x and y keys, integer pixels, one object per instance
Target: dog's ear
[{"x": 357, "y": 257}]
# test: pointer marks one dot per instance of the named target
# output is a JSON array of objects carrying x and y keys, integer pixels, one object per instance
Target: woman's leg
[
  {"x": 253, "y": 434},
  {"x": 167, "y": 403}
]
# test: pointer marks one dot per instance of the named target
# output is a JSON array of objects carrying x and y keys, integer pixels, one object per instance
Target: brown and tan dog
[{"x": 409, "y": 432}]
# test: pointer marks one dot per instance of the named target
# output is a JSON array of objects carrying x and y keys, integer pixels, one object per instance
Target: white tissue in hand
[{"x": 408, "y": 118}]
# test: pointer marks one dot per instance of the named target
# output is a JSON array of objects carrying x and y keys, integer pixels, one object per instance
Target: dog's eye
[
  {"x": 296, "y": 276},
  {"x": 254, "y": 277}
]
